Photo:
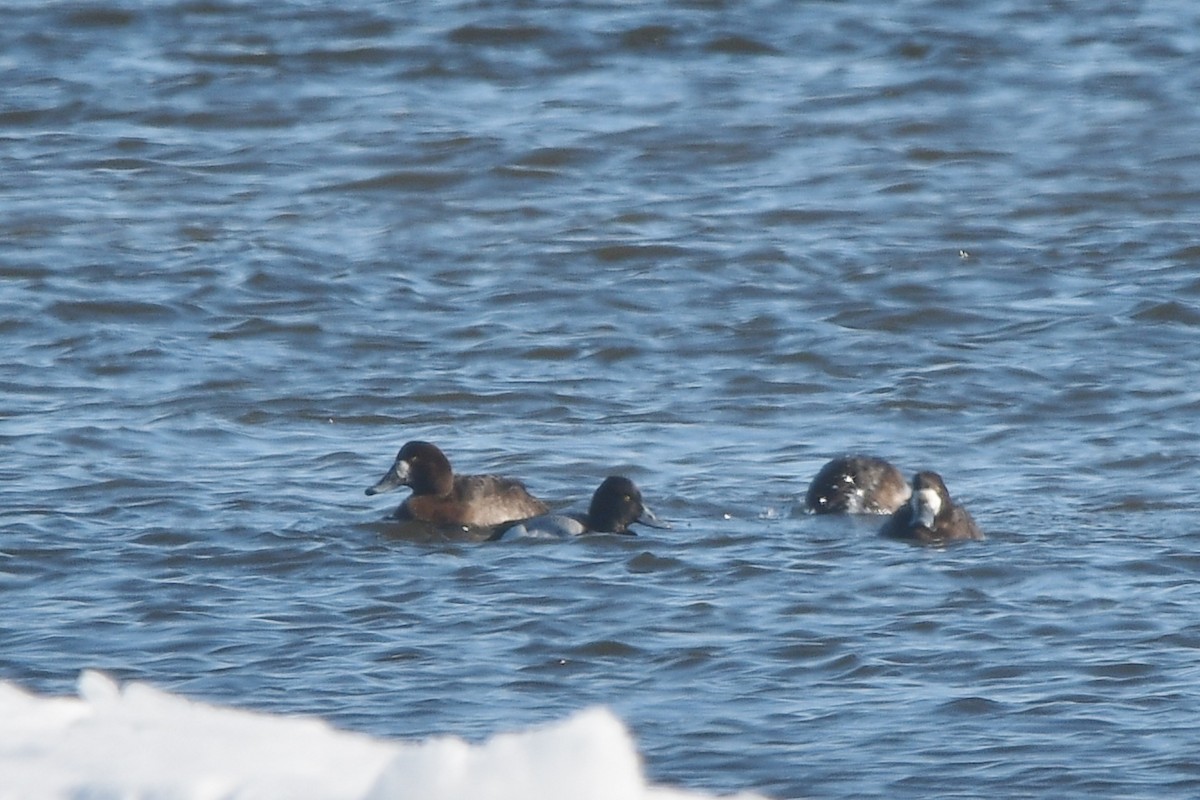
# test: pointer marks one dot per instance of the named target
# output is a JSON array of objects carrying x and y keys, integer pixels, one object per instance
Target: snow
[{"x": 139, "y": 742}]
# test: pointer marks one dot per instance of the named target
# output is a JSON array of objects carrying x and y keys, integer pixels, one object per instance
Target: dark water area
[{"x": 247, "y": 250}]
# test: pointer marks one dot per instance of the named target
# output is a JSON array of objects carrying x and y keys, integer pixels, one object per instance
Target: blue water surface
[{"x": 247, "y": 250}]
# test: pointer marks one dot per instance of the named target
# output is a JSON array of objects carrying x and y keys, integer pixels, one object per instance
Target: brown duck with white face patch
[
  {"x": 931, "y": 516},
  {"x": 442, "y": 498}
]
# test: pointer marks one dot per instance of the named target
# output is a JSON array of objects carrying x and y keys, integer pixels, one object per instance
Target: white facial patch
[
  {"x": 402, "y": 470},
  {"x": 926, "y": 503}
]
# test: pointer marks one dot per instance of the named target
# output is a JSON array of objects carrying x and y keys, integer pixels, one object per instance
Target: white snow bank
[{"x": 140, "y": 742}]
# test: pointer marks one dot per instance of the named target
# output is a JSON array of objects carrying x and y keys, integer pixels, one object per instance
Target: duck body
[
  {"x": 931, "y": 516},
  {"x": 615, "y": 505},
  {"x": 440, "y": 497},
  {"x": 857, "y": 484}
]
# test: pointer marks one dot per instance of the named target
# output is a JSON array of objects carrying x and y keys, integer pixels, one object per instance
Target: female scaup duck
[
  {"x": 443, "y": 498},
  {"x": 857, "y": 485},
  {"x": 615, "y": 506},
  {"x": 931, "y": 517}
]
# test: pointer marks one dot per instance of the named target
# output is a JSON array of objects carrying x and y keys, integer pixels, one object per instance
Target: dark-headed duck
[
  {"x": 930, "y": 516},
  {"x": 443, "y": 498},
  {"x": 615, "y": 506},
  {"x": 857, "y": 485}
]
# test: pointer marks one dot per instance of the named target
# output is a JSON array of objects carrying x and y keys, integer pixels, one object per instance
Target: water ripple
[{"x": 252, "y": 249}]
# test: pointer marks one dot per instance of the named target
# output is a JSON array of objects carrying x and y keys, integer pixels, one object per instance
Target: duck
[
  {"x": 616, "y": 504},
  {"x": 440, "y": 497},
  {"x": 857, "y": 484},
  {"x": 931, "y": 516}
]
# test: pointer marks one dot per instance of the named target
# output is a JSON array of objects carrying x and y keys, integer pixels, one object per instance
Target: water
[{"x": 247, "y": 250}]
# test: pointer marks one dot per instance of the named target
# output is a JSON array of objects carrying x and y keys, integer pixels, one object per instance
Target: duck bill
[
  {"x": 649, "y": 519},
  {"x": 396, "y": 477}
]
